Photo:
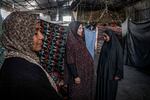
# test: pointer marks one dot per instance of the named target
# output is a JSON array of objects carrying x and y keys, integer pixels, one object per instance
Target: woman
[
  {"x": 79, "y": 71},
  {"x": 21, "y": 76},
  {"x": 110, "y": 67}
]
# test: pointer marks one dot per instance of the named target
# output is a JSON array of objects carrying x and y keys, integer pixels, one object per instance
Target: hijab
[
  {"x": 17, "y": 38},
  {"x": 73, "y": 26}
]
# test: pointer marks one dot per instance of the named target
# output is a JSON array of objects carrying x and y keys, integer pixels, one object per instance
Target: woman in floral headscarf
[
  {"x": 21, "y": 76},
  {"x": 79, "y": 72}
]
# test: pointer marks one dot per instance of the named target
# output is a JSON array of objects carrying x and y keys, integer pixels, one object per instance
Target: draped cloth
[
  {"x": 53, "y": 50},
  {"x": 137, "y": 40},
  {"x": 110, "y": 65},
  {"x": 78, "y": 55}
]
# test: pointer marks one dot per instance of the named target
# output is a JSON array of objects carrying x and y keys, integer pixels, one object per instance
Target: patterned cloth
[
  {"x": 52, "y": 53},
  {"x": 77, "y": 54}
]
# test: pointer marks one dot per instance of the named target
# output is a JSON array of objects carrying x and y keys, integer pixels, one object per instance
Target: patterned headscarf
[
  {"x": 73, "y": 26},
  {"x": 17, "y": 38}
]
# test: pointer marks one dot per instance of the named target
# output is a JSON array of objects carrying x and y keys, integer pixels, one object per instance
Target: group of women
[{"x": 23, "y": 78}]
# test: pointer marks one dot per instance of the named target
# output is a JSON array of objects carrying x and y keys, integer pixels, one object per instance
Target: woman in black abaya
[{"x": 110, "y": 68}]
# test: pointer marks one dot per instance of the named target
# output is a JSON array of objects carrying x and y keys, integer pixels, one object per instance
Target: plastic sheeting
[{"x": 137, "y": 44}]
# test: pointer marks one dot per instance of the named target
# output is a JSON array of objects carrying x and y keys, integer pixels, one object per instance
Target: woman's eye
[{"x": 36, "y": 33}]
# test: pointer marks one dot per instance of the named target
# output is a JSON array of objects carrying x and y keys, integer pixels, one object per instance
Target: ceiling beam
[
  {"x": 19, "y": 4},
  {"x": 38, "y": 4}
]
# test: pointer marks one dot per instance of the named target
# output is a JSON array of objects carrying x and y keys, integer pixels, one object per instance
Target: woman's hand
[
  {"x": 116, "y": 78},
  {"x": 77, "y": 80},
  {"x": 61, "y": 83}
]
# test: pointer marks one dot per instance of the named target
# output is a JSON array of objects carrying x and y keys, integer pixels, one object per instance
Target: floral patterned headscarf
[{"x": 17, "y": 38}]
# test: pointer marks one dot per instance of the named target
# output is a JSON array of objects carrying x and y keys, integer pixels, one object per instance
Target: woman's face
[
  {"x": 80, "y": 30},
  {"x": 38, "y": 38}
]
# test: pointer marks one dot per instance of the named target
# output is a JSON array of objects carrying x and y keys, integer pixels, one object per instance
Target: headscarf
[
  {"x": 73, "y": 26},
  {"x": 17, "y": 38}
]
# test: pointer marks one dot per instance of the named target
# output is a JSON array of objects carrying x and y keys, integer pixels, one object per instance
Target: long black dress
[
  {"x": 110, "y": 65},
  {"x": 23, "y": 80}
]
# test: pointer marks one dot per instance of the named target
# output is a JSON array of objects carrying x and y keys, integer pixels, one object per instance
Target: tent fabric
[{"x": 136, "y": 48}]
